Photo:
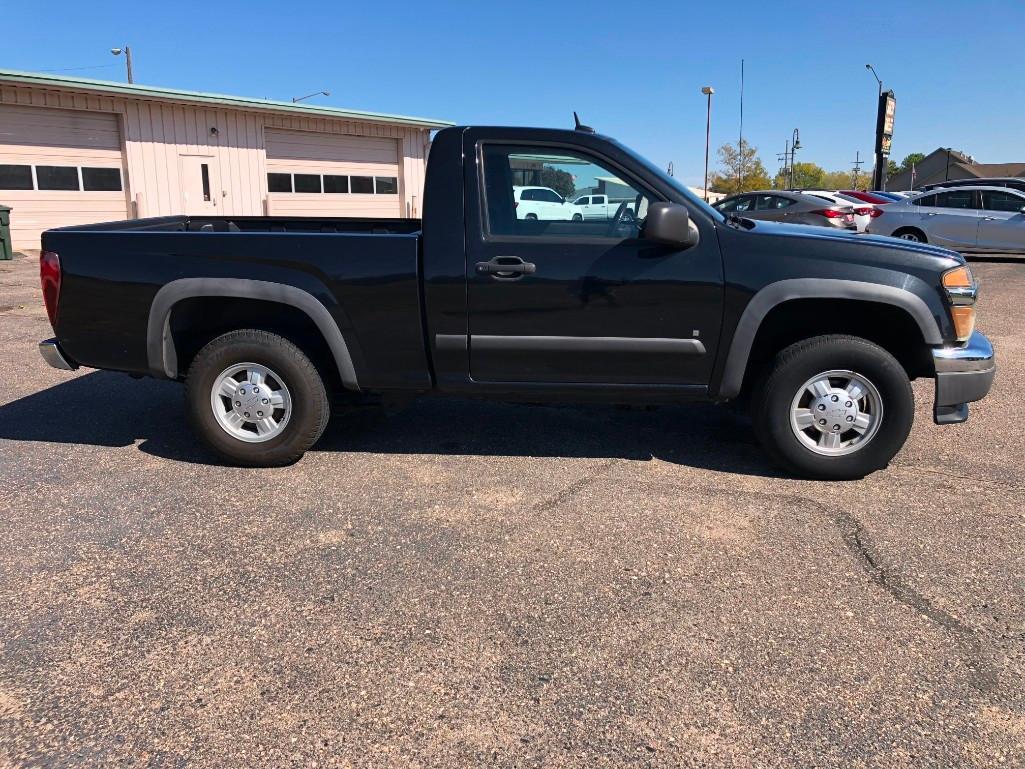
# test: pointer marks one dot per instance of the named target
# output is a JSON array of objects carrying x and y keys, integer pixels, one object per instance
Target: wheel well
[
  {"x": 888, "y": 326},
  {"x": 197, "y": 321}
]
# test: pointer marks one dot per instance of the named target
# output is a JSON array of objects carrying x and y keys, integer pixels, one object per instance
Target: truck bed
[{"x": 364, "y": 271}]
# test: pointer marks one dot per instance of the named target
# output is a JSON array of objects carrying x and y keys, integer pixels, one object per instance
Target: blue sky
[{"x": 633, "y": 70}]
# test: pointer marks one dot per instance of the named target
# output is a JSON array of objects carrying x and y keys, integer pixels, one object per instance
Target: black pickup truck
[{"x": 506, "y": 290}]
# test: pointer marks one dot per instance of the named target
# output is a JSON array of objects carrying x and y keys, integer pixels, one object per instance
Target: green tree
[
  {"x": 806, "y": 176},
  {"x": 913, "y": 159},
  {"x": 739, "y": 170},
  {"x": 559, "y": 180},
  {"x": 836, "y": 180}
]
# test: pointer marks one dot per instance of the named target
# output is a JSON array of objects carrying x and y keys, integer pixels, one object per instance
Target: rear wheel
[
  {"x": 256, "y": 399},
  {"x": 912, "y": 234},
  {"x": 834, "y": 407}
]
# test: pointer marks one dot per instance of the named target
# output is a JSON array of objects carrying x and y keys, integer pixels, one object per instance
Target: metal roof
[{"x": 134, "y": 91}]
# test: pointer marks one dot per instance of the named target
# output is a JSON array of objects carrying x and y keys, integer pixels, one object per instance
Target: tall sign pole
[{"x": 884, "y": 136}]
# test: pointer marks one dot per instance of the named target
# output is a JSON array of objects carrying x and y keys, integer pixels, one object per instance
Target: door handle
[
  {"x": 506, "y": 268},
  {"x": 932, "y": 213},
  {"x": 989, "y": 218}
]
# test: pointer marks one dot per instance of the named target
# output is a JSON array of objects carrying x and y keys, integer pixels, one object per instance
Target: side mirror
[{"x": 670, "y": 224}]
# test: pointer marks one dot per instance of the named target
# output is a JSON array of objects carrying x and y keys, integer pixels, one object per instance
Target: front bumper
[
  {"x": 964, "y": 373},
  {"x": 54, "y": 355}
]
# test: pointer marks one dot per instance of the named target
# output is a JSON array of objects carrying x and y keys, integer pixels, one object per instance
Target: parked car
[
  {"x": 542, "y": 203},
  {"x": 599, "y": 207},
  {"x": 863, "y": 212},
  {"x": 969, "y": 218},
  {"x": 866, "y": 197},
  {"x": 891, "y": 196},
  {"x": 1013, "y": 182},
  {"x": 264, "y": 318},
  {"x": 789, "y": 207}
]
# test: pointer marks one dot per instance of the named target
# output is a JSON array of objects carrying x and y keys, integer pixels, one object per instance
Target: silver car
[
  {"x": 967, "y": 218},
  {"x": 789, "y": 207}
]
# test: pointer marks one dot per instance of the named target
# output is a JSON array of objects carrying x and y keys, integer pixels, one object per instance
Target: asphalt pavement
[{"x": 465, "y": 584}]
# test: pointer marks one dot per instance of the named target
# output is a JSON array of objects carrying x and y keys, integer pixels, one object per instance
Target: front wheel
[
  {"x": 834, "y": 408},
  {"x": 256, "y": 399}
]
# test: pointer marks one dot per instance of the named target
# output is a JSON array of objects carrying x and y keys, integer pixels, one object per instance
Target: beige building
[{"x": 76, "y": 151}]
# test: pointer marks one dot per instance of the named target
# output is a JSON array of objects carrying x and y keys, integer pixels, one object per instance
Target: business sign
[{"x": 884, "y": 125}]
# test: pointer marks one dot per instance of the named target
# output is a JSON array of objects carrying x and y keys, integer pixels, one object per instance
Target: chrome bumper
[
  {"x": 53, "y": 355},
  {"x": 964, "y": 373}
]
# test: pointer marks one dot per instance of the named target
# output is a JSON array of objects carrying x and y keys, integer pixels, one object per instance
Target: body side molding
[
  {"x": 814, "y": 288},
  {"x": 609, "y": 344},
  {"x": 160, "y": 352}
]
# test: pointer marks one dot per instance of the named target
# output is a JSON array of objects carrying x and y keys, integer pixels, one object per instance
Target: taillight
[
  {"x": 830, "y": 213},
  {"x": 869, "y": 211},
  {"x": 50, "y": 280}
]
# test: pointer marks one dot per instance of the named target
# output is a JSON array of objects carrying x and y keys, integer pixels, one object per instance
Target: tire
[
  {"x": 295, "y": 418},
  {"x": 911, "y": 234},
  {"x": 531, "y": 217},
  {"x": 867, "y": 435},
  {"x": 578, "y": 218}
]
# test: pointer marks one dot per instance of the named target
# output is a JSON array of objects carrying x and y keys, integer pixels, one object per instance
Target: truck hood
[{"x": 861, "y": 247}]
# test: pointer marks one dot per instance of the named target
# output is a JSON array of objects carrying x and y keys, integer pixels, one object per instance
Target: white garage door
[
  {"x": 319, "y": 174},
  {"x": 59, "y": 167}
]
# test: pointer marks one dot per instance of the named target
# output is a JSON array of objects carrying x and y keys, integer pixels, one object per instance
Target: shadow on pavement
[{"x": 107, "y": 409}]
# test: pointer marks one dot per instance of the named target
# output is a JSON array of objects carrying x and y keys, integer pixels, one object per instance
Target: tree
[
  {"x": 837, "y": 180},
  {"x": 739, "y": 171},
  {"x": 806, "y": 176},
  {"x": 559, "y": 180},
  {"x": 913, "y": 159}
]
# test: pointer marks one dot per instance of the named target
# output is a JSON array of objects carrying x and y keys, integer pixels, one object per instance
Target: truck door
[{"x": 586, "y": 301}]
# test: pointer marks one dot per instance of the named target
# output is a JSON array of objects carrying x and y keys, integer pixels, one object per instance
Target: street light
[
  {"x": 708, "y": 91},
  {"x": 128, "y": 59},
  {"x": 872, "y": 69},
  {"x": 310, "y": 96},
  {"x": 795, "y": 145}
]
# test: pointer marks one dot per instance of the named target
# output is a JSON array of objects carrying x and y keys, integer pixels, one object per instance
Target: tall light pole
[
  {"x": 128, "y": 59},
  {"x": 708, "y": 91},
  {"x": 310, "y": 96},
  {"x": 795, "y": 145},
  {"x": 878, "y": 171}
]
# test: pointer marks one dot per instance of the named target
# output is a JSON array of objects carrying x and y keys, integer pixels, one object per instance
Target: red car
[{"x": 868, "y": 197}]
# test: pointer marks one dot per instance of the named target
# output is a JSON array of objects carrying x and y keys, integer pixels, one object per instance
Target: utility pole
[
  {"x": 708, "y": 91},
  {"x": 740, "y": 141},
  {"x": 856, "y": 173}
]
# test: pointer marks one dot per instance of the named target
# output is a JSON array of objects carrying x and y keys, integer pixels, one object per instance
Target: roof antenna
[{"x": 580, "y": 126}]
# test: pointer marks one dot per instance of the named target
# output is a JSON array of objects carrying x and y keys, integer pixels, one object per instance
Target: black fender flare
[
  {"x": 161, "y": 356},
  {"x": 814, "y": 288}
]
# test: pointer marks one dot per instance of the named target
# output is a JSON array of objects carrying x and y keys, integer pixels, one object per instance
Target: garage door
[
  {"x": 318, "y": 174},
  {"x": 59, "y": 167}
]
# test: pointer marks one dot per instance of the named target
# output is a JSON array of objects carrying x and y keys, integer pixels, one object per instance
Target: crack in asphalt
[
  {"x": 558, "y": 498},
  {"x": 983, "y": 674}
]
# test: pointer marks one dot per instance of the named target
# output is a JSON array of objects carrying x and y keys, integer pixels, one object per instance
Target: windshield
[{"x": 672, "y": 182}]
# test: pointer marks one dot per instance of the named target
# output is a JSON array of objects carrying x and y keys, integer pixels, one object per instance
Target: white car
[
  {"x": 541, "y": 203},
  {"x": 864, "y": 212}
]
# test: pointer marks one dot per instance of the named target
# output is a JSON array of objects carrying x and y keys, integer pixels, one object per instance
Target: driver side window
[{"x": 530, "y": 191}]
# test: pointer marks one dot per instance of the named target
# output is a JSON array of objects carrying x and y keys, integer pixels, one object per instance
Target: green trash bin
[{"x": 6, "y": 252}]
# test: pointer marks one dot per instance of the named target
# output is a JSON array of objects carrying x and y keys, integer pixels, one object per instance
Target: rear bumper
[
  {"x": 964, "y": 373},
  {"x": 53, "y": 355}
]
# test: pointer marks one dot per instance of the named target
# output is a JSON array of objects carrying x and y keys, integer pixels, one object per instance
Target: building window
[
  {"x": 279, "y": 182},
  {"x": 362, "y": 184},
  {"x": 15, "y": 177},
  {"x": 101, "y": 179},
  {"x": 387, "y": 185},
  {"x": 307, "y": 182},
  {"x": 336, "y": 183},
  {"x": 57, "y": 177}
]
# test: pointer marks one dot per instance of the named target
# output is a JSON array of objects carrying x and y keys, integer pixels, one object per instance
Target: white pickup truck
[{"x": 600, "y": 207}]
